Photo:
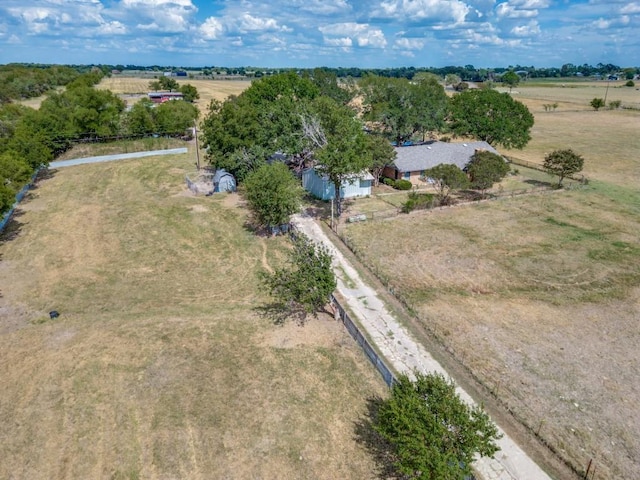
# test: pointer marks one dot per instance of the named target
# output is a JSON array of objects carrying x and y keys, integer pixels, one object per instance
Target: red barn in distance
[{"x": 161, "y": 97}]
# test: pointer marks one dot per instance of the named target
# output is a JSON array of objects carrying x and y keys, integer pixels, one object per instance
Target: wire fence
[
  {"x": 6, "y": 217},
  {"x": 360, "y": 339}
]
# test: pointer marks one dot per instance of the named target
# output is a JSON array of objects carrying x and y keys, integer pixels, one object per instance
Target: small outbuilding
[
  {"x": 223, "y": 181},
  {"x": 318, "y": 184}
]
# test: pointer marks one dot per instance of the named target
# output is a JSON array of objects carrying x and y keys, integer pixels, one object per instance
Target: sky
[{"x": 313, "y": 33}]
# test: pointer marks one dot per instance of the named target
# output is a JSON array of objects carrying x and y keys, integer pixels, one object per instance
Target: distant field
[
  {"x": 133, "y": 88},
  {"x": 160, "y": 365},
  {"x": 539, "y": 296},
  {"x": 608, "y": 139}
]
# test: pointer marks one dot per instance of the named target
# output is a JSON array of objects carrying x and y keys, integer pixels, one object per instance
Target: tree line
[{"x": 32, "y": 138}]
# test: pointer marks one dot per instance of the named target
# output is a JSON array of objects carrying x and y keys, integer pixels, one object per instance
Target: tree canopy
[
  {"x": 304, "y": 285},
  {"x": 491, "y": 116},
  {"x": 447, "y": 178},
  {"x": 485, "y": 169},
  {"x": 510, "y": 79},
  {"x": 434, "y": 435},
  {"x": 273, "y": 194},
  {"x": 404, "y": 108},
  {"x": 563, "y": 163}
]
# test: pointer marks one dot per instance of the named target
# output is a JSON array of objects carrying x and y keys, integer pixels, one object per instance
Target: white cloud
[
  {"x": 603, "y": 24},
  {"x": 112, "y": 28},
  {"x": 505, "y": 10},
  {"x": 248, "y": 23},
  {"x": 633, "y": 7},
  {"x": 408, "y": 43},
  {"x": 363, "y": 34},
  {"x": 212, "y": 28},
  {"x": 529, "y": 30},
  {"x": 416, "y": 10},
  {"x": 339, "y": 42},
  {"x": 323, "y": 7}
]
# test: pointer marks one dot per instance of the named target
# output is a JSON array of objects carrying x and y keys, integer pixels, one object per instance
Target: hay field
[
  {"x": 160, "y": 366},
  {"x": 608, "y": 139},
  {"x": 131, "y": 88},
  {"x": 539, "y": 296}
]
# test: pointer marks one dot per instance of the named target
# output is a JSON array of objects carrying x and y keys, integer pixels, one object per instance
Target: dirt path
[{"x": 406, "y": 355}]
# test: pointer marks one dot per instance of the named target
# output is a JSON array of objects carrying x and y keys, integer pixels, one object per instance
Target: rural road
[
  {"x": 111, "y": 158},
  {"x": 405, "y": 354}
]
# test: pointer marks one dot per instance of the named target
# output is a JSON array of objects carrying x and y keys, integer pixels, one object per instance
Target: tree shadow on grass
[
  {"x": 538, "y": 183},
  {"x": 280, "y": 313},
  {"x": 366, "y": 435},
  {"x": 13, "y": 227}
]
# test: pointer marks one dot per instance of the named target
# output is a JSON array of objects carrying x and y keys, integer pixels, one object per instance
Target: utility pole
[{"x": 195, "y": 134}]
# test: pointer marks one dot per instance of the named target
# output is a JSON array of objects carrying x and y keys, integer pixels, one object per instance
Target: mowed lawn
[
  {"x": 160, "y": 365},
  {"x": 539, "y": 296}
]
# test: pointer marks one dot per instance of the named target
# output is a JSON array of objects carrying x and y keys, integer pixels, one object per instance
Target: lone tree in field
[
  {"x": 597, "y": 103},
  {"x": 273, "y": 194},
  {"x": 305, "y": 284},
  {"x": 491, "y": 116},
  {"x": 447, "y": 178},
  {"x": 563, "y": 163},
  {"x": 485, "y": 169},
  {"x": 434, "y": 435},
  {"x": 510, "y": 79}
]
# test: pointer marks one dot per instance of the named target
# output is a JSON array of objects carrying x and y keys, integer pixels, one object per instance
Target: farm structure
[
  {"x": 223, "y": 181},
  {"x": 412, "y": 161},
  {"x": 319, "y": 185},
  {"x": 161, "y": 97}
]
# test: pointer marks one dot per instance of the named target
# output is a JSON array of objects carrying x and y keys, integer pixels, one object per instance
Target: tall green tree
[
  {"x": 305, "y": 284},
  {"x": 273, "y": 194},
  {"x": 447, "y": 178},
  {"x": 510, "y": 79},
  {"x": 563, "y": 163},
  {"x": 403, "y": 108},
  {"x": 268, "y": 115},
  {"x": 174, "y": 117},
  {"x": 434, "y": 435},
  {"x": 189, "y": 92},
  {"x": 491, "y": 116},
  {"x": 140, "y": 119},
  {"x": 382, "y": 154},
  {"x": 486, "y": 168},
  {"x": 344, "y": 154}
]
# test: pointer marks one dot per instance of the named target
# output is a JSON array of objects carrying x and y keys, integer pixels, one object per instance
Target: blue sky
[{"x": 310, "y": 33}]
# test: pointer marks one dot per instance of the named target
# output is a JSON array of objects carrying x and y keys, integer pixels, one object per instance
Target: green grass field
[
  {"x": 539, "y": 296},
  {"x": 160, "y": 365}
]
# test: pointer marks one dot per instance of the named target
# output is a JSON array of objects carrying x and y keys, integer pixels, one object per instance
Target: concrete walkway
[
  {"x": 111, "y": 158},
  {"x": 405, "y": 354}
]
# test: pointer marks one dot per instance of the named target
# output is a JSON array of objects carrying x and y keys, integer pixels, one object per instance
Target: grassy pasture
[
  {"x": 608, "y": 139},
  {"x": 160, "y": 366},
  {"x": 539, "y": 296},
  {"x": 132, "y": 88}
]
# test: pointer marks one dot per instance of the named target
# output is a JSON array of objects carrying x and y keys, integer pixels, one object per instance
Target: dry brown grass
[
  {"x": 608, "y": 139},
  {"x": 539, "y": 296},
  {"x": 160, "y": 366},
  {"x": 132, "y": 88}
]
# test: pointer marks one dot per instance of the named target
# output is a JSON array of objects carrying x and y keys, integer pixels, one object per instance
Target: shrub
[
  {"x": 389, "y": 181},
  {"x": 630, "y": 84},
  {"x": 597, "y": 103},
  {"x": 403, "y": 184},
  {"x": 614, "y": 104},
  {"x": 417, "y": 201}
]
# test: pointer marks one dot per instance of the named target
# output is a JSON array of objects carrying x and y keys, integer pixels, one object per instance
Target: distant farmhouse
[
  {"x": 412, "y": 161},
  {"x": 161, "y": 97}
]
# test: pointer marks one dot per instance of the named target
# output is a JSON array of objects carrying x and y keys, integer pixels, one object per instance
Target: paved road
[
  {"x": 111, "y": 158},
  {"x": 405, "y": 354}
]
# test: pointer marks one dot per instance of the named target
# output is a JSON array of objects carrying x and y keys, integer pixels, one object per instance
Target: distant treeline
[{"x": 31, "y": 138}]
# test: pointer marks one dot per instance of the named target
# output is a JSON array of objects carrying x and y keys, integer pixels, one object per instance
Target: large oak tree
[{"x": 491, "y": 116}]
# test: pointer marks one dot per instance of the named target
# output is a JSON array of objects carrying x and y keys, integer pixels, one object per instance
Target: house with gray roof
[{"x": 411, "y": 162}]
